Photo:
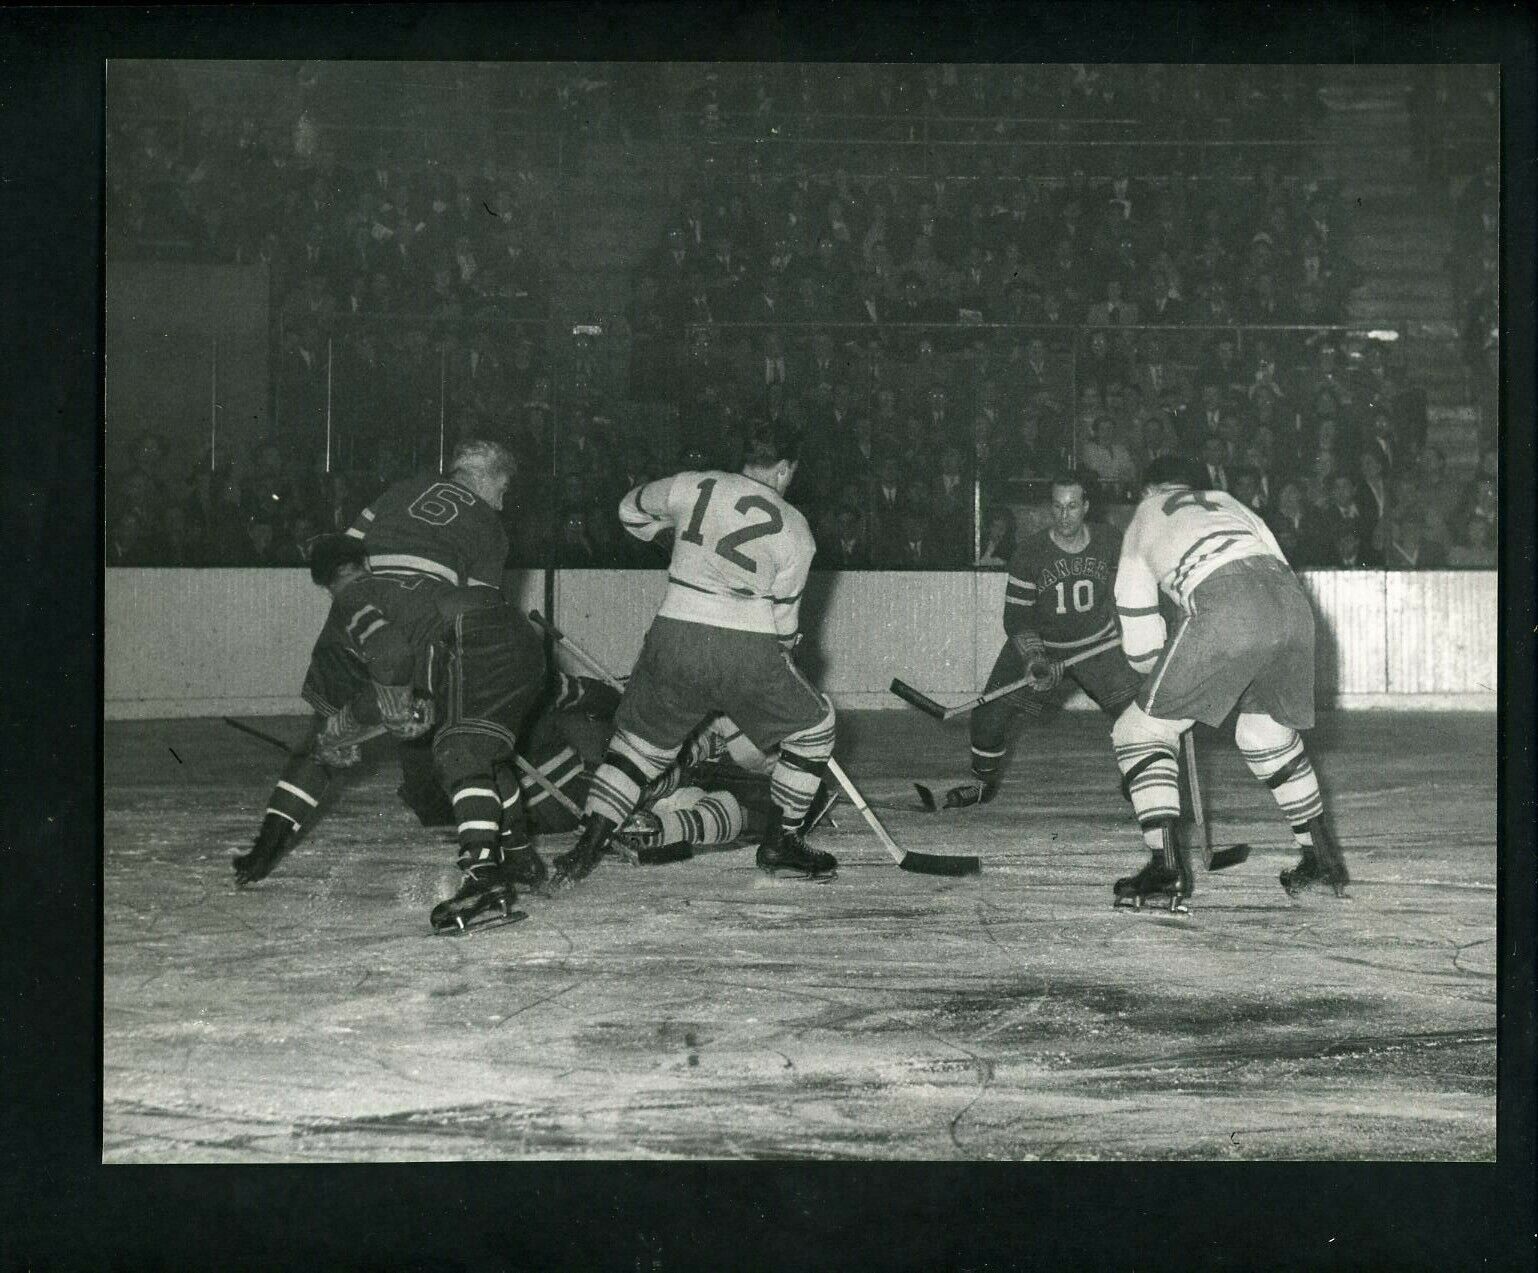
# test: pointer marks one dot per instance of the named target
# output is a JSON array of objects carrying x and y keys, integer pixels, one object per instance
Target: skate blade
[
  {"x": 1153, "y": 903},
  {"x": 480, "y": 924},
  {"x": 775, "y": 874}
]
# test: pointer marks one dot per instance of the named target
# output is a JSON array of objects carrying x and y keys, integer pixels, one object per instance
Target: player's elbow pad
[
  {"x": 637, "y": 522},
  {"x": 1142, "y": 637}
]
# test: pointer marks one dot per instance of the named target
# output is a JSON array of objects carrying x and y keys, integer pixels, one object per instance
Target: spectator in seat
[
  {"x": 1340, "y": 520},
  {"x": 1372, "y": 499},
  {"x": 1442, "y": 498},
  {"x": 1476, "y": 550},
  {"x": 847, "y": 548},
  {"x": 886, "y": 499},
  {"x": 1105, "y": 455},
  {"x": 1113, "y": 309},
  {"x": 913, "y": 547},
  {"x": 1292, "y": 522},
  {"x": 1407, "y": 545},
  {"x": 1215, "y": 462},
  {"x": 998, "y": 540},
  {"x": 1164, "y": 301},
  {"x": 574, "y": 546},
  {"x": 1246, "y": 486}
]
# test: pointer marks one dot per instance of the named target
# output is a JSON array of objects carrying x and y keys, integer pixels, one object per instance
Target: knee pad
[
  {"x": 1257, "y": 734},
  {"x": 1137, "y": 729},
  {"x": 812, "y": 745}
]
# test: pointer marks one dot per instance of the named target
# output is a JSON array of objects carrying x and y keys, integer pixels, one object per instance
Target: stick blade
[
  {"x": 911, "y": 696},
  {"x": 940, "y": 864},
  {"x": 1221, "y": 859},
  {"x": 662, "y": 854}
]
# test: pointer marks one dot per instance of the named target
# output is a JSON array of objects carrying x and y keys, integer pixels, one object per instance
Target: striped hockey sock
[
  {"x": 986, "y": 763},
  {"x": 478, "y": 811},
  {"x": 1151, "y": 780},
  {"x": 717, "y": 819},
  {"x": 515, "y": 827},
  {"x": 298, "y": 790},
  {"x": 1276, "y": 756},
  {"x": 799, "y": 771},
  {"x": 628, "y": 767}
]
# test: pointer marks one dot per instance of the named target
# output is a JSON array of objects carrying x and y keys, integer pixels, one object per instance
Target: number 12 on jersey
[{"x": 728, "y": 545}]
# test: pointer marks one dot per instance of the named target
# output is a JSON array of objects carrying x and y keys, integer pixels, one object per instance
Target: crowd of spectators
[{"x": 964, "y": 328}]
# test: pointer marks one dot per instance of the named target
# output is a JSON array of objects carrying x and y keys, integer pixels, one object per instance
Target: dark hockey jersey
[
  {"x": 1065, "y": 598},
  {"x": 388, "y": 624},
  {"x": 431, "y": 526}
]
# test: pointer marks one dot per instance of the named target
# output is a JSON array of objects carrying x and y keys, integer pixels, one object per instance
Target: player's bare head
[
  {"x": 483, "y": 467},
  {"x": 771, "y": 458},
  {"x": 1174, "y": 471},
  {"x": 335, "y": 558},
  {"x": 1070, "y": 502}
]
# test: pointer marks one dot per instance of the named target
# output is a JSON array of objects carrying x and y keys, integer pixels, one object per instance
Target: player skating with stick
[
  {"x": 1245, "y": 638},
  {"x": 1058, "y": 617}
]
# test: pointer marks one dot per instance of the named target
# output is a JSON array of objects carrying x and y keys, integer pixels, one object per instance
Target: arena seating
[{"x": 955, "y": 282}]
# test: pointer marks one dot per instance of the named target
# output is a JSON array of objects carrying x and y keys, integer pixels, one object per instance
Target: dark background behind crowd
[{"x": 954, "y": 282}]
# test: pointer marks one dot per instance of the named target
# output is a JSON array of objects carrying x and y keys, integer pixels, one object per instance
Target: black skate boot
[
  {"x": 273, "y": 842},
  {"x": 524, "y": 866},
  {"x": 961, "y": 796},
  {"x": 1167, "y": 874},
  {"x": 979, "y": 791},
  {"x": 783, "y": 850},
  {"x": 1321, "y": 863},
  {"x": 577, "y": 862},
  {"x": 485, "y": 886}
]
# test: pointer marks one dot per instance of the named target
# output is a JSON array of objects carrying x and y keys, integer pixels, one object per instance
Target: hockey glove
[
  {"x": 402, "y": 713},
  {"x": 338, "y": 745},
  {"x": 1045, "y": 674}
]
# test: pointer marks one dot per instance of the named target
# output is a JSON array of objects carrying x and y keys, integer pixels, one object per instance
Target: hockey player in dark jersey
[
  {"x": 445, "y": 533},
  {"x": 1058, "y": 603},
  {"x": 373, "y": 669}
]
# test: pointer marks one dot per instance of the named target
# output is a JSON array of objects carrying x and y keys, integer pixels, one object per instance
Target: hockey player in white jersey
[
  {"x": 720, "y": 643},
  {"x": 1246, "y": 638}
]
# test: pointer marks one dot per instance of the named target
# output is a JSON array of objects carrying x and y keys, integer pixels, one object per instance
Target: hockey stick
[
  {"x": 561, "y": 638},
  {"x": 1219, "y": 859},
  {"x": 366, "y": 735},
  {"x": 657, "y": 855},
  {"x": 920, "y": 863},
  {"x": 929, "y": 707}
]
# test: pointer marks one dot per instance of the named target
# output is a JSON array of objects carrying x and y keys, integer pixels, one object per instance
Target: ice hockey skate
[
  {"x": 1321, "y": 863},
  {"x": 272, "y": 845},
  {"x": 962, "y": 796},
  {"x": 782, "y": 850},
  {"x": 525, "y": 867},
  {"x": 485, "y": 896},
  {"x": 1166, "y": 877}
]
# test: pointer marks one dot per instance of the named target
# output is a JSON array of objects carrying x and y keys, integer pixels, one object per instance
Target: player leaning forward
[
  {"x": 444, "y": 536},
  {"x": 721, "y": 642},
  {"x": 1245, "y": 637}
]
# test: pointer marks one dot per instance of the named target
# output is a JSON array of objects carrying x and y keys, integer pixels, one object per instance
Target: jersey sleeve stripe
[
  {"x": 367, "y": 514},
  {"x": 480, "y": 583},
  {"x": 1133, "y": 611},
  {"x": 354, "y": 533},
  {"x": 413, "y": 565},
  {"x": 370, "y": 630}
]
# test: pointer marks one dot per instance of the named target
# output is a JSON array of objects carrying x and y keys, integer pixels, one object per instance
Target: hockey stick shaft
[
  {"x": 551, "y": 790},
  {"x": 921, "y": 863},
  {"x": 927, "y": 705},
  {"x": 858, "y": 801},
  {"x": 561, "y": 638},
  {"x": 1194, "y": 785},
  {"x": 262, "y": 735},
  {"x": 367, "y": 735}
]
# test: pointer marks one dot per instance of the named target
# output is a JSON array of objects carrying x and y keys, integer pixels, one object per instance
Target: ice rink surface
[{"x": 700, "y": 1010}]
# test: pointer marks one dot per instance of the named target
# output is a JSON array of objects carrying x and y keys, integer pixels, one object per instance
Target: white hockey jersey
[
  {"x": 741, "y": 554},
  {"x": 1176, "y": 538}
]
